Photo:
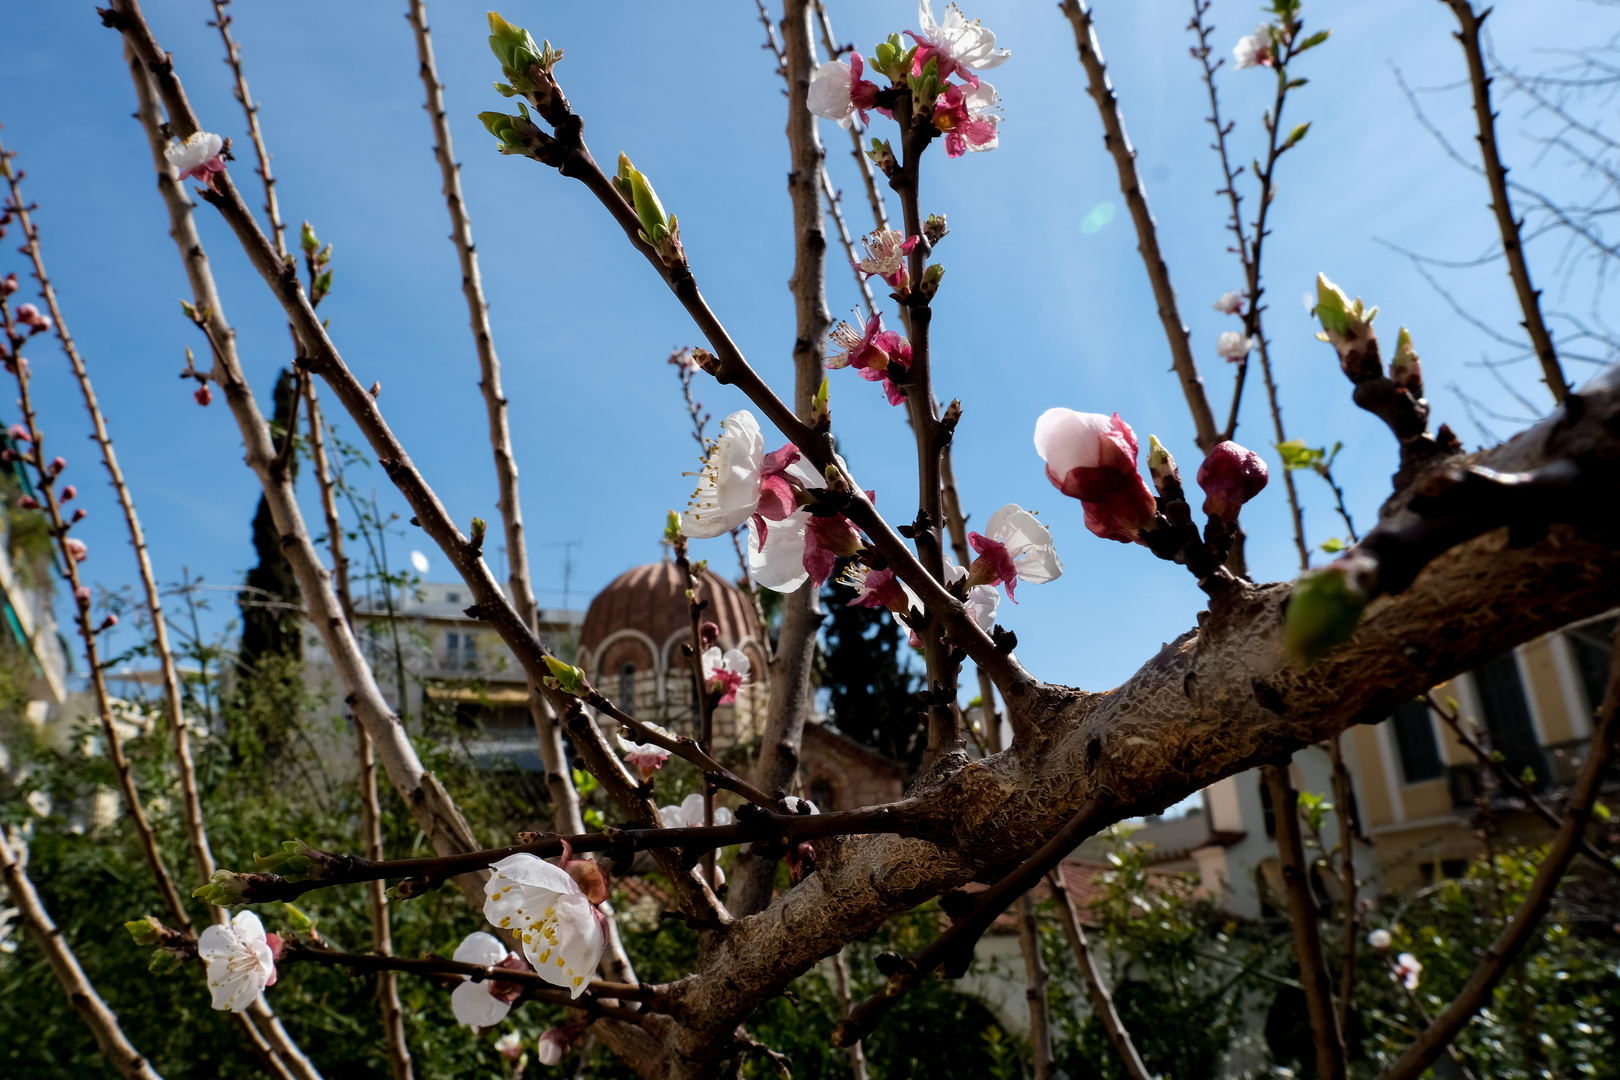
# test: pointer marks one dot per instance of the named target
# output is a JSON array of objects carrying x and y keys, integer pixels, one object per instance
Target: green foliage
[{"x": 866, "y": 669}]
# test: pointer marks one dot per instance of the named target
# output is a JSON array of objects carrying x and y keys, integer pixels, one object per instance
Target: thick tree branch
[
  {"x": 1102, "y": 1002},
  {"x": 1501, "y": 204},
  {"x": 1326, "y": 1034},
  {"x": 101, "y": 1021}
]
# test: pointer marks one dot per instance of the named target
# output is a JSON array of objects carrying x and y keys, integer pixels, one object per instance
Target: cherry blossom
[
  {"x": 1017, "y": 548},
  {"x": 838, "y": 92},
  {"x": 30, "y": 316},
  {"x": 554, "y": 1044},
  {"x": 1380, "y": 939},
  {"x": 1233, "y": 345},
  {"x": 241, "y": 961},
  {"x": 776, "y": 561},
  {"x": 485, "y": 1003},
  {"x": 509, "y": 1045},
  {"x": 728, "y": 487},
  {"x": 1230, "y": 302},
  {"x": 1230, "y": 477},
  {"x": 1092, "y": 458},
  {"x": 18, "y": 433},
  {"x": 1254, "y": 50},
  {"x": 966, "y": 119},
  {"x": 886, "y": 251},
  {"x": 689, "y": 814},
  {"x": 76, "y": 548},
  {"x": 198, "y": 157},
  {"x": 560, "y": 928},
  {"x": 982, "y": 601},
  {"x": 962, "y": 47},
  {"x": 647, "y": 757},
  {"x": 873, "y": 352},
  {"x": 1408, "y": 969},
  {"x": 880, "y": 589},
  {"x": 725, "y": 672}
]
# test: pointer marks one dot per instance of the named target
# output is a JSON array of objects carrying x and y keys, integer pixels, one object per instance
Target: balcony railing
[{"x": 1555, "y": 768}]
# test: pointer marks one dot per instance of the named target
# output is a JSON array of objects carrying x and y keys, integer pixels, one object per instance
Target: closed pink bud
[
  {"x": 79, "y": 515},
  {"x": 69, "y": 493},
  {"x": 1230, "y": 477},
  {"x": 77, "y": 549},
  {"x": 108, "y": 623},
  {"x": 1092, "y": 458},
  {"x": 203, "y": 395},
  {"x": 709, "y": 633},
  {"x": 8, "y": 455},
  {"x": 82, "y": 595},
  {"x": 9, "y": 285},
  {"x": 18, "y": 433},
  {"x": 57, "y": 465},
  {"x": 28, "y": 502},
  {"x": 553, "y": 1045}
]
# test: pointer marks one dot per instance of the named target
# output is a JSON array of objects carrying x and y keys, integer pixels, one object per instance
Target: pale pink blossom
[
  {"x": 838, "y": 92},
  {"x": 1015, "y": 547},
  {"x": 561, "y": 930},
  {"x": 1408, "y": 969},
  {"x": 962, "y": 46},
  {"x": 18, "y": 433},
  {"x": 1254, "y": 50},
  {"x": 30, "y": 316},
  {"x": 554, "y": 1044},
  {"x": 647, "y": 757},
  {"x": 886, "y": 251},
  {"x": 485, "y": 1003},
  {"x": 1233, "y": 345},
  {"x": 509, "y": 1045},
  {"x": 198, "y": 157},
  {"x": 241, "y": 961},
  {"x": 966, "y": 119},
  {"x": 1092, "y": 458},
  {"x": 1380, "y": 939},
  {"x": 725, "y": 672},
  {"x": 874, "y": 352},
  {"x": 879, "y": 589},
  {"x": 689, "y": 814},
  {"x": 1230, "y": 303},
  {"x": 76, "y": 548},
  {"x": 739, "y": 481}
]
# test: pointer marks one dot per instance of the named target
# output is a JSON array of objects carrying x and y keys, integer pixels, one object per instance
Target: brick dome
[{"x": 651, "y": 600}]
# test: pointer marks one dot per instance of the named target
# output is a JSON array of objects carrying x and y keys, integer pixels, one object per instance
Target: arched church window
[{"x": 627, "y": 688}]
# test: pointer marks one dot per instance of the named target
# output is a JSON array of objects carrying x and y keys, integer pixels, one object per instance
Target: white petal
[
  {"x": 571, "y": 961},
  {"x": 672, "y": 816},
  {"x": 249, "y": 930},
  {"x": 526, "y": 869},
  {"x": 1067, "y": 439},
  {"x": 711, "y": 661},
  {"x": 954, "y": 573},
  {"x": 476, "y": 1007},
  {"x": 829, "y": 93},
  {"x": 728, "y": 487},
  {"x": 722, "y": 816},
  {"x": 233, "y": 990},
  {"x": 217, "y": 943},
  {"x": 982, "y": 602},
  {"x": 692, "y": 810},
  {"x": 736, "y": 660},
  {"x": 1028, "y": 542},
  {"x": 480, "y": 948},
  {"x": 780, "y": 566}
]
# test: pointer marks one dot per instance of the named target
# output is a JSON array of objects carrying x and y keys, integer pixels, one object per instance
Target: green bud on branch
[
  {"x": 1325, "y": 607},
  {"x": 567, "y": 678}
]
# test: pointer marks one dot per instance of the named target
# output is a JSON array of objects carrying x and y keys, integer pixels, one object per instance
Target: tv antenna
[{"x": 568, "y": 547}]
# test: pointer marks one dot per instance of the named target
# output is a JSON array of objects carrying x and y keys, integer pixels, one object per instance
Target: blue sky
[{"x": 1037, "y": 310}]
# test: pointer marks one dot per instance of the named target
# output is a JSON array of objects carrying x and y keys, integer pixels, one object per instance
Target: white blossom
[
  {"x": 1230, "y": 302},
  {"x": 473, "y": 1003},
  {"x": 7, "y": 945},
  {"x": 1407, "y": 969},
  {"x": 1233, "y": 345},
  {"x": 728, "y": 487},
  {"x": 197, "y": 156},
  {"x": 240, "y": 963},
  {"x": 1254, "y": 50},
  {"x": 961, "y": 44},
  {"x": 689, "y": 815},
  {"x": 561, "y": 935},
  {"x": 552, "y": 1047},
  {"x": 509, "y": 1045},
  {"x": 1380, "y": 939}
]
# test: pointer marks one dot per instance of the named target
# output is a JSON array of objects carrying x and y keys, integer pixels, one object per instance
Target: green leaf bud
[
  {"x": 567, "y": 678},
  {"x": 306, "y": 239},
  {"x": 1325, "y": 607},
  {"x": 145, "y": 931},
  {"x": 1162, "y": 467}
]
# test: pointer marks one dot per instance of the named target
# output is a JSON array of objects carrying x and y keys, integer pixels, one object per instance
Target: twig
[
  {"x": 564, "y": 799},
  {"x": 1102, "y": 1002},
  {"x": 430, "y": 805},
  {"x": 1538, "y": 898},
  {"x": 1326, "y": 1034},
  {"x": 1342, "y": 795},
  {"x": 1119, "y": 146},
  {"x": 233, "y": 57},
  {"x": 857, "y": 1054},
  {"x": 880, "y": 216},
  {"x": 1501, "y": 205},
  {"x": 1036, "y": 977},
  {"x": 1507, "y": 779},
  {"x": 101, "y": 1021}
]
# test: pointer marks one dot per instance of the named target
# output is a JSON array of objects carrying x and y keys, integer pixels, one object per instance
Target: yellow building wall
[{"x": 1542, "y": 687}]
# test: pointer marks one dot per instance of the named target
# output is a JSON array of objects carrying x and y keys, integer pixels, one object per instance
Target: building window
[
  {"x": 1414, "y": 739},
  {"x": 469, "y": 648},
  {"x": 1267, "y": 811},
  {"x": 627, "y": 688},
  {"x": 1507, "y": 717},
  {"x": 452, "y": 650},
  {"x": 1593, "y": 646},
  {"x": 821, "y": 793},
  {"x": 452, "y": 598}
]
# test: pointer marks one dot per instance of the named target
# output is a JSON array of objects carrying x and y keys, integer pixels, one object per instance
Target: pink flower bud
[
  {"x": 108, "y": 623},
  {"x": 203, "y": 395},
  {"x": 9, "y": 285},
  {"x": 77, "y": 550},
  {"x": 56, "y": 466},
  {"x": 1230, "y": 477},
  {"x": 82, "y": 595},
  {"x": 69, "y": 493},
  {"x": 17, "y": 433},
  {"x": 1092, "y": 458},
  {"x": 709, "y": 633},
  {"x": 28, "y": 502},
  {"x": 553, "y": 1045},
  {"x": 79, "y": 515},
  {"x": 8, "y": 455}
]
